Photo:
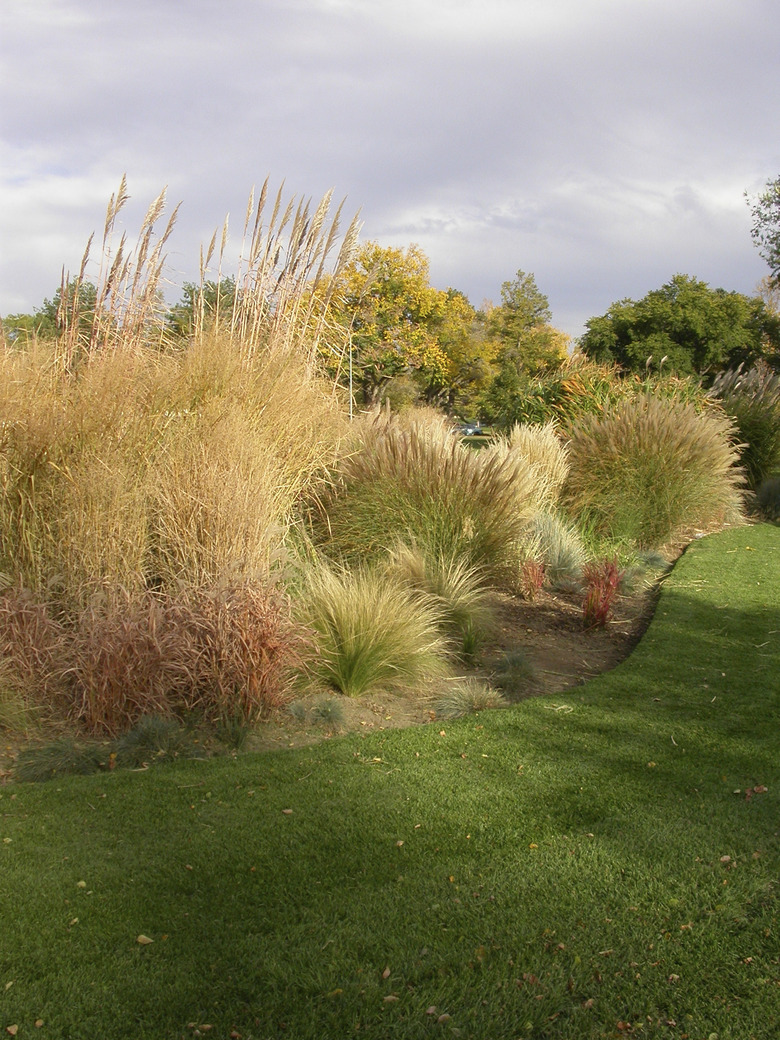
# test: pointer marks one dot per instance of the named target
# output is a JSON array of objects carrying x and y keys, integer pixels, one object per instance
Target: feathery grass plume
[
  {"x": 370, "y": 632},
  {"x": 648, "y": 469},
  {"x": 458, "y": 588},
  {"x": 559, "y": 547},
  {"x": 466, "y": 696},
  {"x": 286, "y": 274},
  {"x": 415, "y": 482},
  {"x": 752, "y": 399},
  {"x": 543, "y": 450}
]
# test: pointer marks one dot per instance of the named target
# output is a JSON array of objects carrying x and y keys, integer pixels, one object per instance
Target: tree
[
  {"x": 766, "y": 225},
  {"x": 522, "y": 330},
  {"x": 53, "y": 316},
  {"x": 397, "y": 326},
  {"x": 684, "y": 326},
  {"x": 199, "y": 306}
]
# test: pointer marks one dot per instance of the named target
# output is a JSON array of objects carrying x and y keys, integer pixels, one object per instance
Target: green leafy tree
[
  {"x": 397, "y": 326},
  {"x": 75, "y": 303},
  {"x": 200, "y": 305},
  {"x": 766, "y": 225},
  {"x": 684, "y": 327}
]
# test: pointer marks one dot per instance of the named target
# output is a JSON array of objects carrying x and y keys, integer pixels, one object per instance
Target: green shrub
[
  {"x": 63, "y": 757},
  {"x": 648, "y": 469},
  {"x": 153, "y": 740},
  {"x": 370, "y": 631},
  {"x": 768, "y": 498},
  {"x": 752, "y": 400},
  {"x": 415, "y": 482}
]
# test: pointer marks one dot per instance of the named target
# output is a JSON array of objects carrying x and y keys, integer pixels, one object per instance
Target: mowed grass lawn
[{"x": 600, "y": 864}]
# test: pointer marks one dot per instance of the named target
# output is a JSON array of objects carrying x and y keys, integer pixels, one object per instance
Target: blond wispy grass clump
[
  {"x": 415, "y": 482},
  {"x": 458, "y": 589},
  {"x": 370, "y": 632},
  {"x": 648, "y": 469},
  {"x": 538, "y": 451}
]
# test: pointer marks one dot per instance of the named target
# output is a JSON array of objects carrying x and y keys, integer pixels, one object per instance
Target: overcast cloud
[{"x": 603, "y": 145}]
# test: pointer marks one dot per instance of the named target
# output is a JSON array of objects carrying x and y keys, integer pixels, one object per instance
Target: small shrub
[
  {"x": 768, "y": 498},
  {"x": 603, "y": 581},
  {"x": 153, "y": 740},
  {"x": 465, "y": 697},
  {"x": 328, "y": 711},
  {"x": 560, "y": 548},
  {"x": 647, "y": 470},
  {"x": 515, "y": 676},
  {"x": 298, "y": 710},
  {"x": 370, "y": 631}
]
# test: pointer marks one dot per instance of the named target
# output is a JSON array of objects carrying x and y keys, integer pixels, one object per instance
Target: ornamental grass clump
[
  {"x": 458, "y": 589},
  {"x": 415, "y": 482},
  {"x": 648, "y": 469},
  {"x": 370, "y": 632},
  {"x": 540, "y": 451},
  {"x": 752, "y": 400},
  {"x": 603, "y": 580}
]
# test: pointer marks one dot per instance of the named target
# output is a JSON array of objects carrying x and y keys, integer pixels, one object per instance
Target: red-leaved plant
[
  {"x": 603, "y": 579},
  {"x": 532, "y": 577}
]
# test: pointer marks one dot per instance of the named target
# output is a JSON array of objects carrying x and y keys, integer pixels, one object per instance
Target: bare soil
[{"x": 550, "y": 633}]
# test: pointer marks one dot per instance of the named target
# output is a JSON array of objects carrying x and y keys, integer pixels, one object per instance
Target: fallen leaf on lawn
[
  {"x": 588, "y": 1004},
  {"x": 12, "y": 1030},
  {"x": 287, "y": 812},
  {"x": 38, "y": 1023},
  {"x": 443, "y": 1018},
  {"x": 390, "y": 998},
  {"x": 386, "y": 973},
  {"x": 9, "y": 984},
  {"x": 431, "y": 1010},
  {"x": 144, "y": 940},
  {"x": 81, "y": 884},
  {"x": 399, "y": 844},
  {"x": 725, "y": 859},
  {"x": 673, "y": 978}
]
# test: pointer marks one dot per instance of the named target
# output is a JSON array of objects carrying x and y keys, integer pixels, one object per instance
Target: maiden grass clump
[
  {"x": 370, "y": 632},
  {"x": 648, "y": 469},
  {"x": 148, "y": 486},
  {"x": 415, "y": 482}
]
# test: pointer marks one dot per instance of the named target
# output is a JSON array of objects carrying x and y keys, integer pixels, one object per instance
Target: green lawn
[{"x": 600, "y": 864}]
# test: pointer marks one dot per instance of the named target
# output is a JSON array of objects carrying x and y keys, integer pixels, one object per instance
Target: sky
[{"x": 602, "y": 145}]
